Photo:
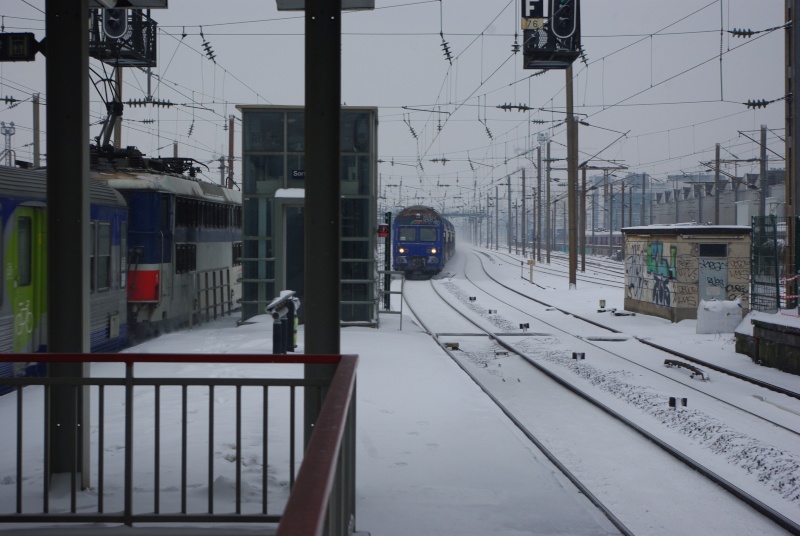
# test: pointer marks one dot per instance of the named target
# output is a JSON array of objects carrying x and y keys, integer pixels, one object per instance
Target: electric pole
[{"x": 572, "y": 182}]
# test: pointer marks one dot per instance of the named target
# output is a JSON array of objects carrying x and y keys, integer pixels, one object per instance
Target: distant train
[
  {"x": 422, "y": 241},
  {"x": 598, "y": 242},
  {"x": 164, "y": 249}
]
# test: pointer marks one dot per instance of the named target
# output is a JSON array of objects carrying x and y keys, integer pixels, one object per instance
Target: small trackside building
[{"x": 669, "y": 269}]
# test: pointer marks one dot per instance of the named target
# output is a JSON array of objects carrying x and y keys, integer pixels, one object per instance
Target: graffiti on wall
[{"x": 651, "y": 272}]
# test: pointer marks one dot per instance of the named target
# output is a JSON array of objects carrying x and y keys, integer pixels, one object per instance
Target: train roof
[
  {"x": 130, "y": 180},
  {"x": 32, "y": 184}
]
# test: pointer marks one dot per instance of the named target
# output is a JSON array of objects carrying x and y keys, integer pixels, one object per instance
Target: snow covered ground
[{"x": 435, "y": 456}]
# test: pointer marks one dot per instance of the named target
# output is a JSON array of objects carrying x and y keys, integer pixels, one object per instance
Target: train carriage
[
  {"x": 422, "y": 241},
  {"x": 23, "y": 254},
  {"x": 184, "y": 240}
]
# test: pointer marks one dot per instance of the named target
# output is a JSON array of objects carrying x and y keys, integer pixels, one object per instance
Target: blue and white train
[{"x": 165, "y": 252}]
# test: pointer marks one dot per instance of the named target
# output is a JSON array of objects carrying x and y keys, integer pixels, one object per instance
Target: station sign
[{"x": 18, "y": 46}]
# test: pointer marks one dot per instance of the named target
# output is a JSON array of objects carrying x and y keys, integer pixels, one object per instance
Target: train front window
[
  {"x": 407, "y": 234},
  {"x": 427, "y": 234}
]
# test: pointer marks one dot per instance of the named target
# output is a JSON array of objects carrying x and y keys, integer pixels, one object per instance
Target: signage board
[
  {"x": 383, "y": 230},
  {"x": 300, "y": 5},
  {"x": 18, "y": 47}
]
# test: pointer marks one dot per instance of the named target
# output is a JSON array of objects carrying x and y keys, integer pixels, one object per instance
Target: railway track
[
  {"x": 496, "y": 356},
  {"x": 598, "y": 275},
  {"x": 672, "y": 352}
]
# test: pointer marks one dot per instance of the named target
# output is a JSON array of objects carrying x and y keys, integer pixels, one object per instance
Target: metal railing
[
  {"x": 213, "y": 294},
  {"x": 169, "y": 449}
]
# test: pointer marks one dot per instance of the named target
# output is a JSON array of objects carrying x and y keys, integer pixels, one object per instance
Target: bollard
[
  {"x": 673, "y": 401},
  {"x": 284, "y": 322}
]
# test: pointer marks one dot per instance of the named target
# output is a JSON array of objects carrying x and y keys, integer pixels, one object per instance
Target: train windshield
[
  {"x": 407, "y": 234},
  {"x": 427, "y": 234}
]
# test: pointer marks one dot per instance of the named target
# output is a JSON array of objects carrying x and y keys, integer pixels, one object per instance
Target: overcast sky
[{"x": 653, "y": 71}]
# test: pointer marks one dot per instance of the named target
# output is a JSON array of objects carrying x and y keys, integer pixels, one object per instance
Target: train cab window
[
  {"x": 407, "y": 234},
  {"x": 427, "y": 234},
  {"x": 24, "y": 242},
  {"x": 104, "y": 256}
]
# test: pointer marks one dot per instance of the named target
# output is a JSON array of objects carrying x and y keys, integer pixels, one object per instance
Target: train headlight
[
  {"x": 433, "y": 251},
  {"x": 401, "y": 250}
]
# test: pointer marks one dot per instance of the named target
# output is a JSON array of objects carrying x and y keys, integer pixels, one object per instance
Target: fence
[
  {"x": 183, "y": 448},
  {"x": 773, "y": 268}
]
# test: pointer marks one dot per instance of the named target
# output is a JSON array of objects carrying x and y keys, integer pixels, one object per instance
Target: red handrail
[{"x": 308, "y": 504}]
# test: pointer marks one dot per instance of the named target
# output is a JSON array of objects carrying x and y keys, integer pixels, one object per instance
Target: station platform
[{"x": 436, "y": 457}]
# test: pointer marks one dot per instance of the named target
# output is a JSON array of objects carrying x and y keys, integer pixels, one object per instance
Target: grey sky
[{"x": 653, "y": 71}]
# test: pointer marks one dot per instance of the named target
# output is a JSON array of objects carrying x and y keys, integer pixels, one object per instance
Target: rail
[{"x": 169, "y": 449}]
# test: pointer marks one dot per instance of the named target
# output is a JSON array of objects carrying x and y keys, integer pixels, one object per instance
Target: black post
[
  {"x": 387, "y": 263},
  {"x": 67, "y": 72},
  {"x": 323, "y": 56}
]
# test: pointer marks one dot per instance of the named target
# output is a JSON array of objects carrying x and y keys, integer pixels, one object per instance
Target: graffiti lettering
[{"x": 716, "y": 266}]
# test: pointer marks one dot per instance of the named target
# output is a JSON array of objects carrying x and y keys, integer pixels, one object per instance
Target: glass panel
[
  {"x": 263, "y": 131},
  {"x": 713, "y": 250},
  {"x": 296, "y": 132},
  {"x": 357, "y": 270},
  {"x": 103, "y": 256},
  {"x": 104, "y": 239},
  {"x": 407, "y": 234},
  {"x": 355, "y": 218},
  {"x": 355, "y": 250},
  {"x": 427, "y": 234},
  {"x": 264, "y": 173},
  {"x": 257, "y": 217},
  {"x": 355, "y": 173},
  {"x": 296, "y": 167},
  {"x": 355, "y": 132}
]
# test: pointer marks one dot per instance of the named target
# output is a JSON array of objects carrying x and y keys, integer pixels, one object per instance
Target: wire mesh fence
[{"x": 773, "y": 264}]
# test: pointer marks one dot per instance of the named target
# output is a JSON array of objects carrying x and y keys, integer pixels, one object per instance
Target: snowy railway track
[
  {"x": 692, "y": 359},
  {"x": 490, "y": 359},
  {"x": 611, "y": 279},
  {"x": 655, "y": 365}
]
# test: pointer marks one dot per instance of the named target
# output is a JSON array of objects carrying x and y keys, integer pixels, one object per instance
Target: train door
[{"x": 26, "y": 278}]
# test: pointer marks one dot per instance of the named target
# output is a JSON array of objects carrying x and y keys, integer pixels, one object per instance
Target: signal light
[{"x": 115, "y": 23}]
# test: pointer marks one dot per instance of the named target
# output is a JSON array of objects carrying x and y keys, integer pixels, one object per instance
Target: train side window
[
  {"x": 164, "y": 212},
  {"x": 2, "y": 250},
  {"x": 123, "y": 254},
  {"x": 427, "y": 234},
  {"x": 407, "y": 234},
  {"x": 24, "y": 240},
  {"x": 103, "y": 256},
  {"x": 92, "y": 258}
]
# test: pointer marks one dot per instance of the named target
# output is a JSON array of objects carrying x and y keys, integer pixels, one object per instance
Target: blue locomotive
[{"x": 422, "y": 241}]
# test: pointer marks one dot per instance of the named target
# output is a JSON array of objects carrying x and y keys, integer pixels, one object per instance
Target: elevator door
[{"x": 295, "y": 254}]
